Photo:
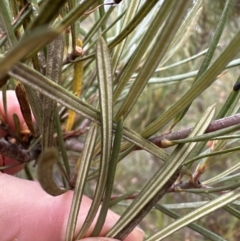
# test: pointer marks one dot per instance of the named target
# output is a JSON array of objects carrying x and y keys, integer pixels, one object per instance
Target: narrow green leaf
[
  {"x": 146, "y": 41},
  {"x": 131, "y": 11},
  {"x": 213, "y": 153},
  {"x": 209, "y": 136},
  {"x": 104, "y": 74},
  {"x": 233, "y": 211},
  {"x": 203, "y": 231},
  {"x": 45, "y": 168},
  {"x": 47, "y": 13},
  {"x": 225, "y": 188},
  {"x": 140, "y": 15},
  {"x": 223, "y": 174},
  {"x": 204, "y": 81},
  {"x": 110, "y": 179},
  {"x": 36, "y": 107},
  {"x": 98, "y": 25},
  {"x": 54, "y": 91},
  {"x": 209, "y": 55},
  {"x": 120, "y": 198},
  {"x": 186, "y": 60},
  {"x": 5, "y": 21},
  {"x": 61, "y": 143},
  {"x": 71, "y": 5},
  {"x": 53, "y": 71},
  {"x": 38, "y": 38},
  {"x": 183, "y": 32},
  {"x": 75, "y": 13},
  {"x": 81, "y": 180},
  {"x": 19, "y": 22},
  {"x": 195, "y": 215},
  {"x": 157, "y": 52}
]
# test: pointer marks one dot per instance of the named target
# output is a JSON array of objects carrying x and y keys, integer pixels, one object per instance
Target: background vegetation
[{"x": 154, "y": 67}]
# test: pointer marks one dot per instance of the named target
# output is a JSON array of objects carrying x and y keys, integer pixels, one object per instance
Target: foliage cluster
[{"x": 105, "y": 80}]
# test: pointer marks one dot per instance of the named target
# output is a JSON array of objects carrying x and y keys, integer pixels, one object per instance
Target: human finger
[
  {"x": 11, "y": 108},
  {"x": 7, "y": 118},
  {"x": 28, "y": 213}
]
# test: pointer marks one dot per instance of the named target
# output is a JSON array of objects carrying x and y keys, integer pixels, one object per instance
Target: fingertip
[
  {"x": 50, "y": 213},
  {"x": 12, "y": 108},
  {"x": 7, "y": 118}
]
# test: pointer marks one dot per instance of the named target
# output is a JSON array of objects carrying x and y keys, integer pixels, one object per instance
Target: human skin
[
  {"x": 12, "y": 107},
  {"x": 28, "y": 213}
]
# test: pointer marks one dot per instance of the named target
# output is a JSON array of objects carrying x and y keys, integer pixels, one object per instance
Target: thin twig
[
  {"x": 17, "y": 152},
  {"x": 22, "y": 155},
  {"x": 181, "y": 134}
]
